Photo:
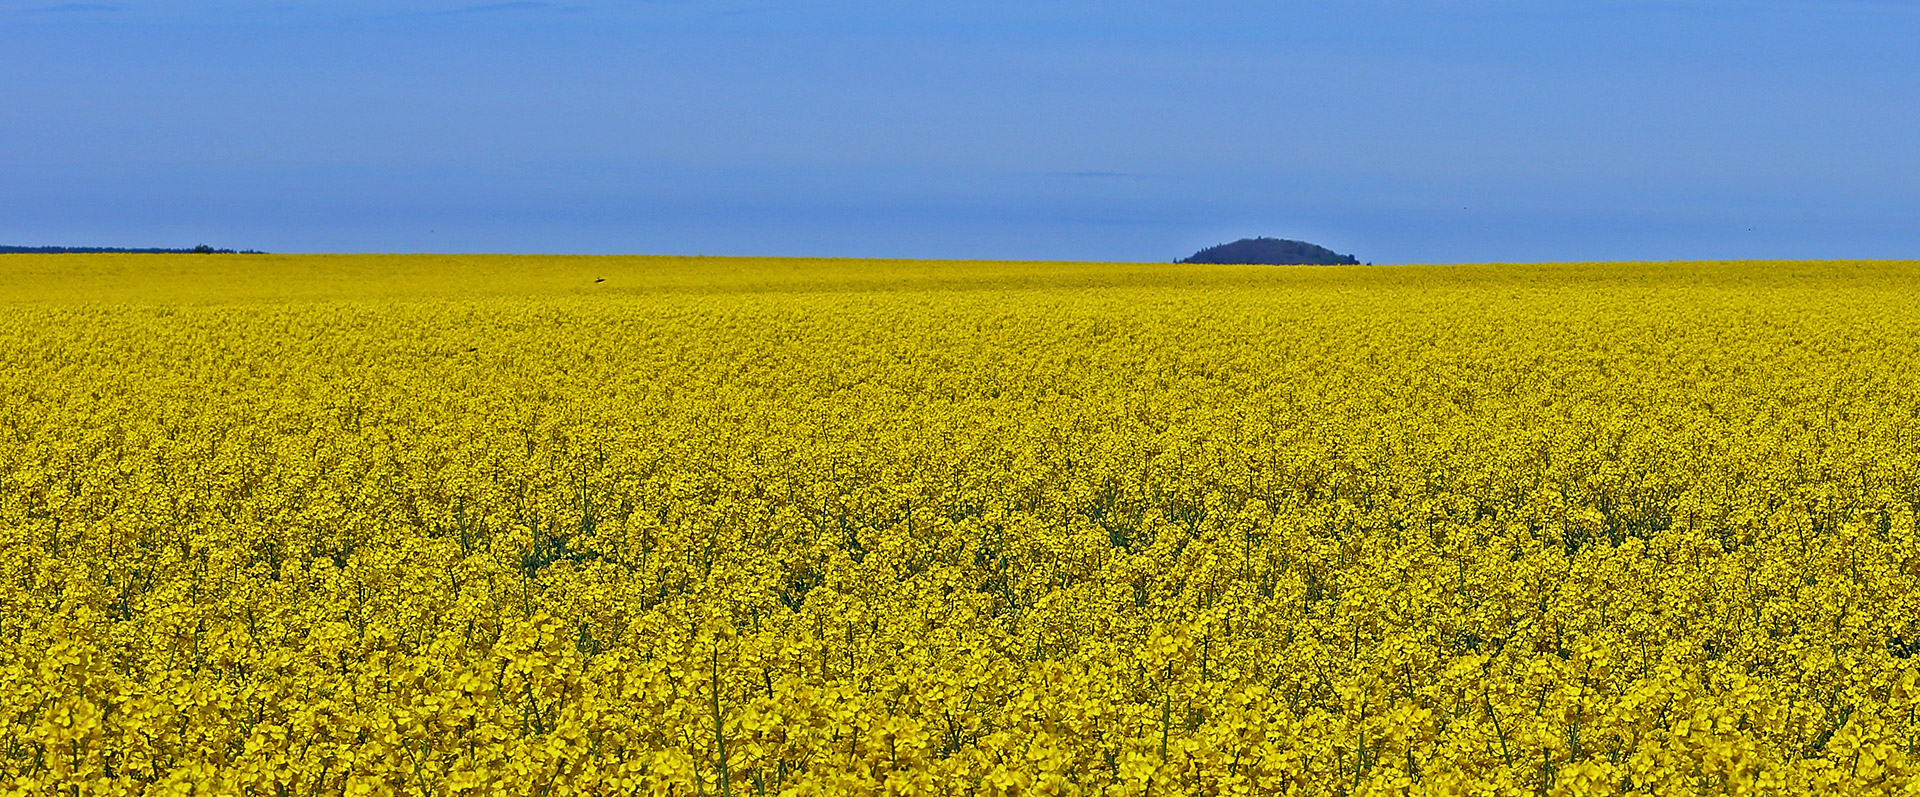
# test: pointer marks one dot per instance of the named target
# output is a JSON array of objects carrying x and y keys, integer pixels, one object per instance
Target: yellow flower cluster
[{"x": 550, "y": 526}]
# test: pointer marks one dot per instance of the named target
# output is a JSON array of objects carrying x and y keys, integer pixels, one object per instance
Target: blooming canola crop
[{"x": 696, "y": 526}]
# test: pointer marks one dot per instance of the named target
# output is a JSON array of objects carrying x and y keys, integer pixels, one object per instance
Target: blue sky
[{"x": 1473, "y": 130}]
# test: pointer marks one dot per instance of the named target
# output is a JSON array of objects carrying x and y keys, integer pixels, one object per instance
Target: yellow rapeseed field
[{"x": 678, "y": 526}]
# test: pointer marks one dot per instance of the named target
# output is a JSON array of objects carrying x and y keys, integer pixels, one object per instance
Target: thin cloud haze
[
  {"x": 495, "y": 8},
  {"x": 68, "y": 8}
]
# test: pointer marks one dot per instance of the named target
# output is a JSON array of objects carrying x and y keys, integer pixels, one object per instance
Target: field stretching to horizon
[{"x": 440, "y": 525}]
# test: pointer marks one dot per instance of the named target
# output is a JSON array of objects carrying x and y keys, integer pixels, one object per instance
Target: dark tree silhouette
[
  {"x": 93, "y": 250},
  {"x": 1271, "y": 252}
]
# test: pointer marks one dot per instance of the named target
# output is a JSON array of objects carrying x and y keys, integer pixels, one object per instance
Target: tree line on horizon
[
  {"x": 202, "y": 249},
  {"x": 1271, "y": 252}
]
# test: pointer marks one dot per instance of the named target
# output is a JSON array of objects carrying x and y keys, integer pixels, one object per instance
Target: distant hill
[
  {"x": 1271, "y": 252},
  {"x": 202, "y": 249}
]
